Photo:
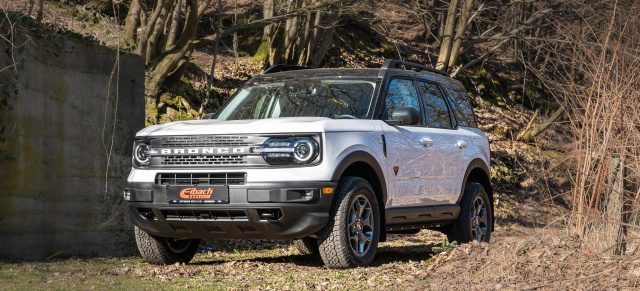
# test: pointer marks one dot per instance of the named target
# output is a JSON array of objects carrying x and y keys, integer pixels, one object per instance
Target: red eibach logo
[{"x": 193, "y": 193}]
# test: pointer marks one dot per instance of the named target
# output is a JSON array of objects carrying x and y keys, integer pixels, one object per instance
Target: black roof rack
[
  {"x": 283, "y": 68},
  {"x": 395, "y": 64}
]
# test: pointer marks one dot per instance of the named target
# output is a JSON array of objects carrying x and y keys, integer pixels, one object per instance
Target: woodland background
[{"x": 554, "y": 85}]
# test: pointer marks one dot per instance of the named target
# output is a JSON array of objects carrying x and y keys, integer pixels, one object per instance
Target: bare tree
[
  {"x": 165, "y": 33},
  {"x": 304, "y": 38},
  {"x": 164, "y": 50}
]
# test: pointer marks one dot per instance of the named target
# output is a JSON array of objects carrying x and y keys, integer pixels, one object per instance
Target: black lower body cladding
[{"x": 276, "y": 211}]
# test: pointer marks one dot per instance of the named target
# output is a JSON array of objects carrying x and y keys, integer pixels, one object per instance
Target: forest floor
[
  {"x": 518, "y": 258},
  {"x": 532, "y": 246}
]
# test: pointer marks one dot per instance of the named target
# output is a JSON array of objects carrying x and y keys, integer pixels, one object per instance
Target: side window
[
  {"x": 462, "y": 108},
  {"x": 436, "y": 107},
  {"x": 401, "y": 93}
]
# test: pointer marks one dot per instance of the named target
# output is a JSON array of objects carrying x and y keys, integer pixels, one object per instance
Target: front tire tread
[{"x": 333, "y": 240}]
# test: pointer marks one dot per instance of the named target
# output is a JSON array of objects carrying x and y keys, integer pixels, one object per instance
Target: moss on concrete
[{"x": 56, "y": 186}]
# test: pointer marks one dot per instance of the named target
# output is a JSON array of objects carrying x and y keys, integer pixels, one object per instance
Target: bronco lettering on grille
[{"x": 193, "y": 193}]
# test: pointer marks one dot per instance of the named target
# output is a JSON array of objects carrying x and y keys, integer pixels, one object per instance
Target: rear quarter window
[{"x": 461, "y": 107}]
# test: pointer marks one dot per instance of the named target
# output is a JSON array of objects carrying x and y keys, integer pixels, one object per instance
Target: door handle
[
  {"x": 462, "y": 144},
  {"x": 426, "y": 142}
]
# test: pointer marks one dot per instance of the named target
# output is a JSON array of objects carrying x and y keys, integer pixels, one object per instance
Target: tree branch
[
  {"x": 508, "y": 34},
  {"x": 525, "y": 25},
  {"x": 544, "y": 126},
  {"x": 526, "y": 129}
]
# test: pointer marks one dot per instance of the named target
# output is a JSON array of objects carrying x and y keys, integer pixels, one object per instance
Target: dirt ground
[{"x": 518, "y": 258}]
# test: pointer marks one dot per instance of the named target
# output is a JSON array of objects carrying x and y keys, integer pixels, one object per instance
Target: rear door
[
  {"x": 411, "y": 152},
  {"x": 449, "y": 144}
]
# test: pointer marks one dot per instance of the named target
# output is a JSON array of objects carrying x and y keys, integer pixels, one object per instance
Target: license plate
[{"x": 198, "y": 194}]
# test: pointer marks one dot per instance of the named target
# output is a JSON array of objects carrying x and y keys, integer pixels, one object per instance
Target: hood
[{"x": 259, "y": 126}]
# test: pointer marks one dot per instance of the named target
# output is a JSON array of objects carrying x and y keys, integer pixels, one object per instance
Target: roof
[
  {"x": 319, "y": 73},
  {"x": 350, "y": 73}
]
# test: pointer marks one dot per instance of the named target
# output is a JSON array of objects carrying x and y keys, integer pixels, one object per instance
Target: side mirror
[
  {"x": 208, "y": 116},
  {"x": 404, "y": 116}
]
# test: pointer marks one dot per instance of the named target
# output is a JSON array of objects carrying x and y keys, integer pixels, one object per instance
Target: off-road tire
[
  {"x": 334, "y": 243},
  {"x": 461, "y": 231},
  {"x": 307, "y": 245},
  {"x": 161, "y": 251}
]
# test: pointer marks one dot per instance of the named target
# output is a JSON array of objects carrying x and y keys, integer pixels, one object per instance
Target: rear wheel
[
  {"x": 351, "y": 237},
  {"x": 307, "y": 245},
  {"x": 164, "y": 250},
  {"x": 476, "y": 218}
]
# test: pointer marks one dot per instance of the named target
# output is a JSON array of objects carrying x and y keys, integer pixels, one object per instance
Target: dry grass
[{"x": 596, "y": 76}]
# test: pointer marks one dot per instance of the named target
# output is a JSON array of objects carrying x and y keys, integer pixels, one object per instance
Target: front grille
[
  {"x": 204, "y": 141},
  {"x": 203, "y": 160},
  {"x": 219, "y": 215},
  {"x": 204, "y": 179}
]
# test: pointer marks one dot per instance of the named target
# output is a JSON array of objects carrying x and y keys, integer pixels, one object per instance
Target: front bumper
[{"x": 276, "y": 211}]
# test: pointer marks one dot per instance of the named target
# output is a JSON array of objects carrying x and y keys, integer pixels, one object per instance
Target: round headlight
[
  {"x": 303, "y": 150},
  {"x": 289, "y": 151},
  {"x": 141, "y": 154}
]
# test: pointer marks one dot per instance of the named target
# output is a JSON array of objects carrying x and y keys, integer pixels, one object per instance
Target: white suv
[{"x": 333, "y": 159}]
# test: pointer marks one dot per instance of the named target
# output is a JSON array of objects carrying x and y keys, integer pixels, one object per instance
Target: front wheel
[
  {"x": 476, "y": 216},
  {"x": 351, "y": 237},
  {"x": 164, "y": 250}
]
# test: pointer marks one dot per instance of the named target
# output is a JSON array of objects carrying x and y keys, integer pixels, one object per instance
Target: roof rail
[
  {"x": 395, "y": 64},
  {"x": 283, "y": 68}
]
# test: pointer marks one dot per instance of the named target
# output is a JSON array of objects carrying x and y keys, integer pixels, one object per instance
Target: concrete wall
[{"x": 66, "y": 133}]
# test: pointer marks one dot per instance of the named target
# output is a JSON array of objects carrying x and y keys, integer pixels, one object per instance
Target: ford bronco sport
[{"x": 334, "y": 159}]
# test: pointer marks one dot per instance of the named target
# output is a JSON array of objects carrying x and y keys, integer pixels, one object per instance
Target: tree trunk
[
  {"x": 291, "y": 34},
  {"x": 460, "y": 32},
  {"x": 147, "y": 28},
  {"x": 31, "y": 4},
  {"x": 157, "y": 30},
  {"x": 131, "y": 25},
  {"x": 445, "y": 48},
  {"x": 326, "y": 39},
  {"x": 213, "y": 66},
  {"x": 615, "y": 228},
  {"x": 175, "y": 23},
  {"x": 264, "y": 51},
  {"x": 441, "y": 20},
  {"x": 303, "y": 42},
  {"x": 315, "y": 37},
  {"x": 170, "y": 60}
]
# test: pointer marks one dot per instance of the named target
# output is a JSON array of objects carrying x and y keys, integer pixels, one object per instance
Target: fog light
[
  {"x": 308, "y": 195},
  {"x": 270, "y": 214},
  {"x": 127, "y": 195}
]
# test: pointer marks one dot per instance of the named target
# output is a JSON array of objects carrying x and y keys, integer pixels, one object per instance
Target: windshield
[{"x": 349, "y": 99}]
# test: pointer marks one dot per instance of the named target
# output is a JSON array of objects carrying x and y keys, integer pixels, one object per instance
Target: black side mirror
[
  {"x": 208, "y": 116},
  {"x": 404, "y": 116}
]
